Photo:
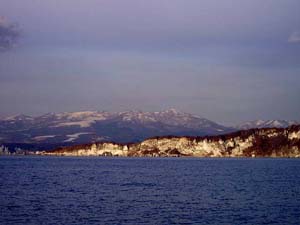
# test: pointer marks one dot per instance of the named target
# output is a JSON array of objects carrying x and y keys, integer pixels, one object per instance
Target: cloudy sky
[{"x": 228, "y": 61}]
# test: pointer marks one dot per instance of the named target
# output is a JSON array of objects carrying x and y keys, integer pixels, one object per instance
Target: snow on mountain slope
[
  {"x": 126, "y": 126},
  {"x": 266, "y": 124},
  {"x": 43, "y": 138},
  {"x": 73, "y": 137},
  {"x": 170, "y": 117}
]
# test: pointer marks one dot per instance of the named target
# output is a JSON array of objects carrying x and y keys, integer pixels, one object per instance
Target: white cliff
[{"x": 267, "y": 142}]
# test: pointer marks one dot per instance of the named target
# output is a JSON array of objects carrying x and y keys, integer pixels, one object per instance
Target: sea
[{"x": 92, "y": 190}]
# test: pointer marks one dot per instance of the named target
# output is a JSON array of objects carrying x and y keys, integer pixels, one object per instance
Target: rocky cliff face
[{"x": 267, "y": 142}]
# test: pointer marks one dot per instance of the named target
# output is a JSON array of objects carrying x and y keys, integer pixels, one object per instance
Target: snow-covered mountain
[
  {"x": 265, "y": 124},
  {"x": 70, "y": 128},
  {"x": 93, "y": 126}
]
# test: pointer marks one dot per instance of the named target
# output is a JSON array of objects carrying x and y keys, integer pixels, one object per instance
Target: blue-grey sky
[{"x": 228, "y": 61}]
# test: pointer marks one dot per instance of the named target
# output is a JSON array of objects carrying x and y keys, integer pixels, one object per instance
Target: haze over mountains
[{"x": 122, "y": 127}]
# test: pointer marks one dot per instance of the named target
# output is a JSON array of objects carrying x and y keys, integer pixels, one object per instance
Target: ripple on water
[{"x": 45, "y": 190}]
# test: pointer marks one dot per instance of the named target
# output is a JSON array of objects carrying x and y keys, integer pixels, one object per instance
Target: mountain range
[
  {"x": 266, "y": 124},
  {"x": 123, "y": 127}
]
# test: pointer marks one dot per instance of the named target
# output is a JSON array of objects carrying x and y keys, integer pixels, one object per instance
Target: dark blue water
[{"x": 49, "y": 190}]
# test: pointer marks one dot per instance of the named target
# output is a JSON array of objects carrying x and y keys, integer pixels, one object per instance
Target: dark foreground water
[{"x": 49, "y": 190}]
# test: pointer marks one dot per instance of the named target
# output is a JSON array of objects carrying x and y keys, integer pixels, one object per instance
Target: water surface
[{"x": 62, "y": 190}]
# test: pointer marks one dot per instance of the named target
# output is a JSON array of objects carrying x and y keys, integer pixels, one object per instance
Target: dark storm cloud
[{"x": 9, "y": 33}]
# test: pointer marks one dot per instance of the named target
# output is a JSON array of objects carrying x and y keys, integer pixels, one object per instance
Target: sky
[{"x": 228, "y": 61}]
